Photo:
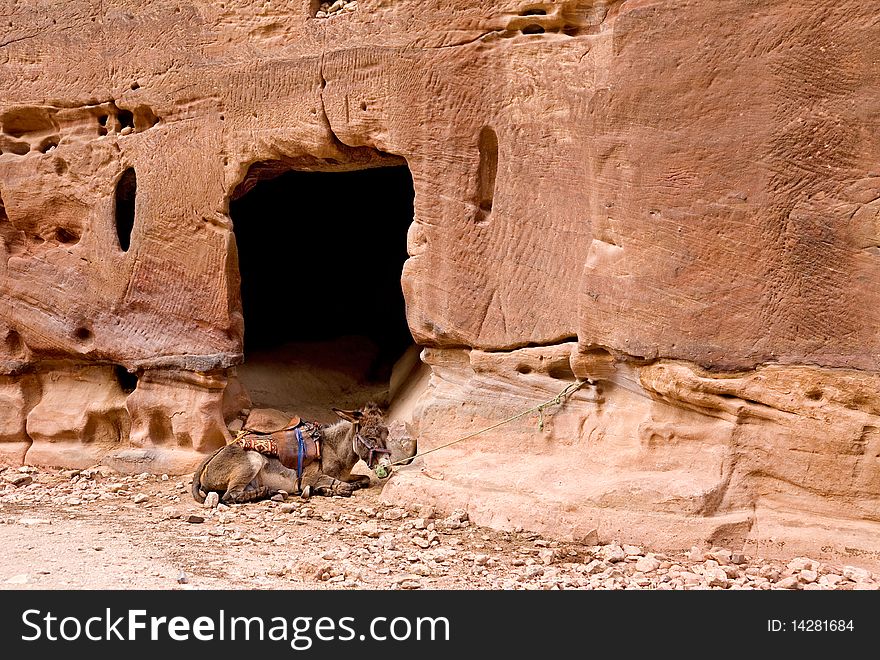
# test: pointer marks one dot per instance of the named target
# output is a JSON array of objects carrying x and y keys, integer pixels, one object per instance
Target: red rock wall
[{"x": 655, "y": 180}]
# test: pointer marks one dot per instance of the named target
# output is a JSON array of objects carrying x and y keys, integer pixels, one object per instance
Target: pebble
[
  {"x": 372, "y": 546},
  {"x": 140, "y": 498},
  {"x": 802, "y": 563},
  {"x": 212, "y": 500},
  {"x": 21, "y": 480},
  {"x": 790, "y": 582},
  {"x": 547, "y": 556},
  {"x": 856, "y": 574},
  {"x": 369, "y": 529},
  {"x": 647, "y": 565},
  {"x": 23, "y": 578}
]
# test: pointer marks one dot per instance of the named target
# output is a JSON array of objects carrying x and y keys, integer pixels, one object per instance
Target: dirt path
[{"x": 65, "y": 529}]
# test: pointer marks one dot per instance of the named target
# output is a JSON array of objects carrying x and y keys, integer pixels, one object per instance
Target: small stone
[
  {"x": 591, "y": 537},
  {"x": 802, "y": 563},
  {"x": 321, "y": 14},
  {"x": 277, "y": 497},
  {"x": 856, "y": 574},
  {"x": 647, "y": 565},
  {"x": 235, "y": 425},
  {"x": 393, "y": 514},
  {"x": 737, "y": 558},
  {"x": 612, "y": 553},
  {"x": 288, "y": 508},
  {"x": 716, "y": 578},
  {"x": 140, "y": 498},
  {"x": 532, "y": 572},
  {"x": 73, "y": 501},
  {"x": 115, "y": 488},
  {"x": 696, "y": 554},
  {"x": 422, "y": 543},
  {"x": 336, "y": 6},
  {"x": 21, "y": 480},
  {"x": 547, "y": 556},
  {"x": 34, "y": 521},
  {"x": 23, "y": 578},
  {"x": 721, "y": 555},
  {"x": 165, "y": 477},
  {"x": 182, "y": 578},
  {"x": 369, "y": 529},
  {"x": 791, "y": 582},
  {"x": 410, "y": 584},
  {"x": 831, "y": 579},
  {"x": 195, "y": 519},
  {"x": 632, "y": 550},
  {"x": 807, "y": 576},
  {"x": 212, "y": 499},
  {"x": 481, "y": 560}
]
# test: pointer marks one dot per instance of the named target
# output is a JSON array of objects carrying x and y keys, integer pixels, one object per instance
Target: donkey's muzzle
[{"x": 383, "y": 469}]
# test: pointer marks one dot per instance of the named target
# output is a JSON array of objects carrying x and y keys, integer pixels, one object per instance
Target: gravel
[{"x": 53, "y": 526}]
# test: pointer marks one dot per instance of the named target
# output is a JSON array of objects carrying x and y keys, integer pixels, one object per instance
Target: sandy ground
[{"x": 94, "y": 529}]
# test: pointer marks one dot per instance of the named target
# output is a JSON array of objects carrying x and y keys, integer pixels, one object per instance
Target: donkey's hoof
[{"x": 306, "y": 492}]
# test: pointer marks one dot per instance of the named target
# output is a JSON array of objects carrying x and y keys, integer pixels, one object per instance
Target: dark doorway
[{"x": 320, "y": 256}]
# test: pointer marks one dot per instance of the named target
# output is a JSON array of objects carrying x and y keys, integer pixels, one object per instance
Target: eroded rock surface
[{"x": 676, "y": 201}]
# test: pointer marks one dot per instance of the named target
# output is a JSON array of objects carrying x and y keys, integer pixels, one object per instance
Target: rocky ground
[{"x": 95, "y": 529}]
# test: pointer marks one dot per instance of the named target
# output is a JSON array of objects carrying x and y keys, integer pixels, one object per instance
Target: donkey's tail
[{"x": 198, "y": 494}]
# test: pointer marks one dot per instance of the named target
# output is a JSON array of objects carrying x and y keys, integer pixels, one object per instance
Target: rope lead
[{"x": 555, "y": 401}]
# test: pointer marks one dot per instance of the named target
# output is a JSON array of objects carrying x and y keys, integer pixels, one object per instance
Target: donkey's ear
[{"x": 352, "y": 416}]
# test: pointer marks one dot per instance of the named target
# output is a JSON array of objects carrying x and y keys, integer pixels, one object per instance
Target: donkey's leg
[
  {"x": 358, "y": 480},
  {"x": 324, "y": 484},
  {"x": 243, "y": 484}
]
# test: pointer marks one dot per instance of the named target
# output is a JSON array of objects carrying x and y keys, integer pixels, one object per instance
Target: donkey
[{"x": 241, "y": 475}]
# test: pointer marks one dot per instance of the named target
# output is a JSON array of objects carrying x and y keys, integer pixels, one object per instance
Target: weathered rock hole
[
  {"x": 144, "y": 118},
  {"x": 17, "y": 147},
  {"x": 83, "y": 334},
  {"x": 814, "y": 394},
  {"x": 135, "y": 86},
  {"x": 320, "y": 257},
  {"x": 14, "y": 343},
  {"x": 523, "y": 369},
  {"x": 19, "y": 122},
  {"x": 534, "y": 12},
  {"x": 364, "y": 106},
  {"x": 533, "y": 28},
  {"x": 126, "y": 119},
  {"x": 48, "y": 144},
  {"x": 561, "y": 370},
  {"x": 66, "y": 236},
  {"x": 127, "y": 381},
  {"x": 486, "y": 175},
  {"x": 126, "y": 192}
]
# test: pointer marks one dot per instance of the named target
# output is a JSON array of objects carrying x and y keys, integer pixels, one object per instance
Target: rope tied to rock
[{"x": 557, "y": 400}]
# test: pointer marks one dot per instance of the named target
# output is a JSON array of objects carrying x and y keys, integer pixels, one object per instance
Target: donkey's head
[{"x": 369, "y": 437}]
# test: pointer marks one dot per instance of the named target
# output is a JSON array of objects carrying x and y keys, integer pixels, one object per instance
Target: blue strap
[{"x": 300, "y": 453}]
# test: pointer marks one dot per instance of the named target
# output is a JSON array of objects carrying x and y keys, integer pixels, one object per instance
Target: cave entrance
[{"x": 320, "y": 256}]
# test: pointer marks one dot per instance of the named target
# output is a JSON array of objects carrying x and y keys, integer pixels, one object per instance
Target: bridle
[{"x": 371, "y": 448}]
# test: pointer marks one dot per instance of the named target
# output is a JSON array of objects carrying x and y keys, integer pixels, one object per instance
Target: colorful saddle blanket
[{"x": 296, "y": 446}]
